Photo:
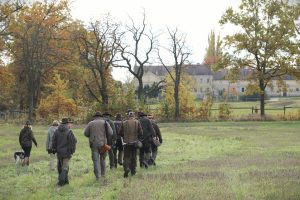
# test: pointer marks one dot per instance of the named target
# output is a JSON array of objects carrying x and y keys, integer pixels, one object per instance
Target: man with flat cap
[
  {"x": 98, "y": 131},
  {"x": 148, "y": 134},
  {"x": 111, "y": 141},
  {"x": 64, "y": 144},
  {"x": 131, "y": 131}
]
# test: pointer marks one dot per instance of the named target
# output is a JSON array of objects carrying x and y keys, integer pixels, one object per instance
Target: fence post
[
  {"x": 252, "y": 110},
  {"x": 284, "y": 110}
]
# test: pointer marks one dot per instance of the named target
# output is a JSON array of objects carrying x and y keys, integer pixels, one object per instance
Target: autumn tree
[
  {"x": 40, "y": 39},
  {"x": 98, "y": 46},
  {"x": 7, "y": 10},
  {"x": 58, "y": 103},
  {"x": 213, "y": 51},
  {"x": 137, "y": 51},
  {"x": 187, "y": 106},
  {"x": 7, "y": 83},
  {"x": 180, "y": 53},
  {"x": 266, "y": 42}
]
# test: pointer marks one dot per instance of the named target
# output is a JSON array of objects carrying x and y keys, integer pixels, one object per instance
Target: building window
[
  {"x": 200, "y": 80},
  {"x": 195, "y": 89},
  {"x": 243, "y": 89},
  {"x": 208, "y": 80},
  {"x": 297, "y": 89}
]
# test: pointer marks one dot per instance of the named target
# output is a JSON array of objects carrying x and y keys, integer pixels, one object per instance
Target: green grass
[{"x": 213, "y": 160}]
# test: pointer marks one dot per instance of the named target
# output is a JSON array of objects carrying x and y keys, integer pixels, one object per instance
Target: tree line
[{"x": 54, "y": 65}]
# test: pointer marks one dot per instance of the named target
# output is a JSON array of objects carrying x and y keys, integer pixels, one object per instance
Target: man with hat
[
  {"x": 64, "y": 144},
  {"x": 111, "y": 141},
  {"x": 154, "y": 146},
  {"x": 118, "y": 150},
  {"x": 131, "y": 131},
  {"x": 98, "y": 131},
  {"x": 148, "y": 134}
]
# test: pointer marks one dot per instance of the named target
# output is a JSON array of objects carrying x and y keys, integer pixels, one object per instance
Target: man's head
[
  {"x": 106, "y": 115},
  {"x": 67, "y": 121},
  {"x": 97, "y": 114},
  {"x": 131, "y": 114},
  {"x": 118, "y": 117},
  {"x": 28, "y": 123},
  {"x": 142, "y": 114},
  {"x": 55, "y": 123}
]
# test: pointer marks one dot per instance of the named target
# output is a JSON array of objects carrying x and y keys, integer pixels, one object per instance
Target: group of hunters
[{"x": 120, "y": 139}]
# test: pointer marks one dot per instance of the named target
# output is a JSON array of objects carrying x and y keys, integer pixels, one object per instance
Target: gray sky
[{"x": 194, "y": 17}]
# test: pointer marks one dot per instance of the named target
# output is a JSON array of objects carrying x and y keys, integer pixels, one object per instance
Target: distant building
[{"x": 214, "y": 83}]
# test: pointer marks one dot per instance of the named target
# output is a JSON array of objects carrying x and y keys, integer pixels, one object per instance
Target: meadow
[{"x": 208, "y": 160}]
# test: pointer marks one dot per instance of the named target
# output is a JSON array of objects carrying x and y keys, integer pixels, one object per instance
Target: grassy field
[
  {"x": 220, "y": 160},
  {"x": 274, "y": 107}
]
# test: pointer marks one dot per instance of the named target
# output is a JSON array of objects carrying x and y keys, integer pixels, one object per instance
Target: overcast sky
[{"x": 194, "y": 17}]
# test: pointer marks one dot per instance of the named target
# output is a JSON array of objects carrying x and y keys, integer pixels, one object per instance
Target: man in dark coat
[
  {"x": 64, "y": 144},
  {"x": 158, "y": 136},
  {"x": 26, "y": 138},
  {"x": 131, "y": 131},
  {"x": 111, "y": 141},
  {"x": 118, "y": 148},
  {"x": 148, "y": 134}
]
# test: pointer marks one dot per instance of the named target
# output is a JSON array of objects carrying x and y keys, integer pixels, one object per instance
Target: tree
[
  {"x": 57, "y": 103},
  {"x": 133, "y": 54},
  {"x": 213, "y": 51},
  {"x": 7, "y": 82},
  {"x": 40, "y": 39},
  {"x": 98, "y": 46},
  {"x": 7, "y": 9},
  {"x": 187, "y": 98},
  {"x": 266, "y": 43},
  {"x": 180, "y": 53}
]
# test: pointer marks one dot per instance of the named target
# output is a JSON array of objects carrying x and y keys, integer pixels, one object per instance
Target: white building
[{"x": 216, "y": 84}]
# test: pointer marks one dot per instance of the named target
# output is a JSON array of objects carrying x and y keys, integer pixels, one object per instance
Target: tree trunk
[
  {"x": 30, "y": 105},
  {"x": 176, "y": 98},
  {"x": 104, "y": 91},
  {"x": 140, "y": 90},
  {"x": 262, "y": 98}
]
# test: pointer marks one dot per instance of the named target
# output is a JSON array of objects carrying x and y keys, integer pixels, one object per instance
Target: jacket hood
[{"x": 63, "y": 128}]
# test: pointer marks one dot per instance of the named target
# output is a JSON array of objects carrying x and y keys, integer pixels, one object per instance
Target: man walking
[
  {"x": 154, "y": 146},
  {"x": 148, "y": 134},
  {"x": 64, "y": 144},
  {"x": 131, "y": 131},
  {"x": 49, "y": 141},
  {"x": 111, "y": 141},
  {"x": 118, "y": 150},
  {"x": 98, "y": 131}
]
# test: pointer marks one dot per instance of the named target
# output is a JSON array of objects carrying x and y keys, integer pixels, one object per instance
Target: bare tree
[
  {"x": 180, "y": 53},
  {"x": 98, "y": 47},
  {"x": 135, "y": 56}
]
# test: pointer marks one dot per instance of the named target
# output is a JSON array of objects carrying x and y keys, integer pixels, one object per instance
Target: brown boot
[{"x": 24, "y": 161}]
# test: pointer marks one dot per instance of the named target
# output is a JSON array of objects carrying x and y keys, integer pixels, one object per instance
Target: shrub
[
  {"x": 205, "y": 108},
  {"x": 224, "y": 111}
]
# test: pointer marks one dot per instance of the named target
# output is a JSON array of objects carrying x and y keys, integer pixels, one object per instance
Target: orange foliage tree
[
  {"x": 58, "y": 103},
  {"x": 40, "y": 42}
]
